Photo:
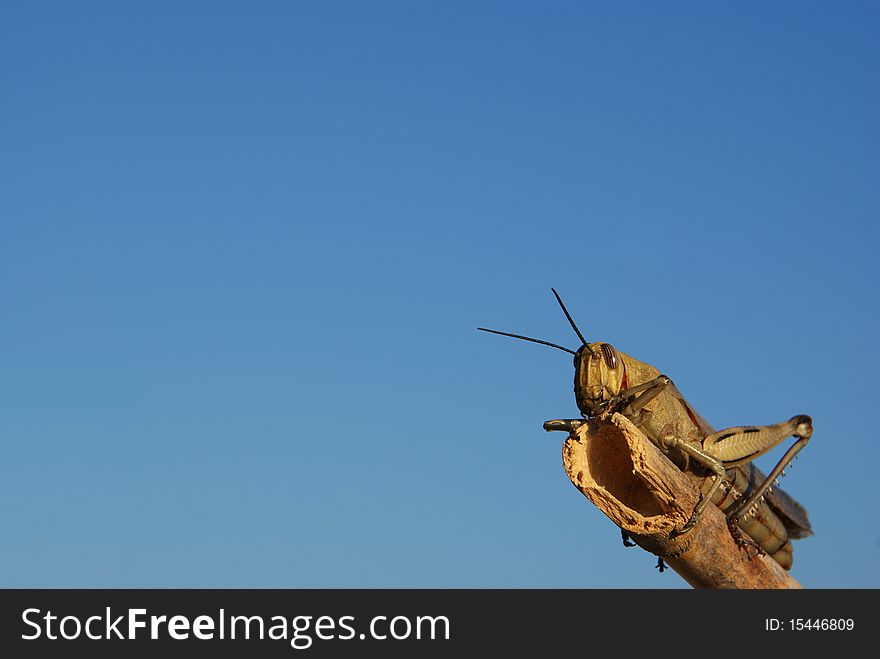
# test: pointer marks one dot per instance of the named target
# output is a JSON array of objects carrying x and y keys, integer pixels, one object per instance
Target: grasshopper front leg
[
  {"x": 632, "y": 401},
  {"x": 706, "y": 460}
]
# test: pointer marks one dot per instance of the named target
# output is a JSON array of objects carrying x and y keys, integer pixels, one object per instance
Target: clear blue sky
[{"x": 244, "y": 249}]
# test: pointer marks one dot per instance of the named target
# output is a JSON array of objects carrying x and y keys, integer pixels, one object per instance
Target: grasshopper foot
[
  {"x": 752, "y": 548},
  {"x": 566, "y": 425},
  {"x": 691, "y": 523},
  {"x": 661, "y": 565},
  {"x": 627, "y": 541}
]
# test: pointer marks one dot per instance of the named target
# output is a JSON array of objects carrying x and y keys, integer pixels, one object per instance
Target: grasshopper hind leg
[
  {"x": 732, "y": 446},
  {"x": 743, "y": 444}
]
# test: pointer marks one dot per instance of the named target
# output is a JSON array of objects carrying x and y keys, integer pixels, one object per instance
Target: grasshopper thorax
[{"x": 599, "y": 376}]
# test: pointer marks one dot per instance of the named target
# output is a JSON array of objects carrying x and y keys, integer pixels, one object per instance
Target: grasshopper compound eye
[{"x": 610, "y": 355}]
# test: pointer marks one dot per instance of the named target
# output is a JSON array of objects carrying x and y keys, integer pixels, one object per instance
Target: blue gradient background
[{"x": 244, "y": 248}]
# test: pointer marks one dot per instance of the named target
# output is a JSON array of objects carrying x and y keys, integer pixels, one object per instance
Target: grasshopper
[{"x": 607, "y": 380}]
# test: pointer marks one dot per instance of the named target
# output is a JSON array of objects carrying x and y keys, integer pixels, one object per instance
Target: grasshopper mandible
[{"x": 607, "y": 380}]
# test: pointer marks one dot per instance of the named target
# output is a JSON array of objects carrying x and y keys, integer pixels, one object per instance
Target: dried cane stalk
[{"x": 629, "y": 479}]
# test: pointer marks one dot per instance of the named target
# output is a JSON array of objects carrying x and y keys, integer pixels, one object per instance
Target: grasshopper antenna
[
  {"x": 571, "y": 322},
  {"x": 527, "y": 338}
]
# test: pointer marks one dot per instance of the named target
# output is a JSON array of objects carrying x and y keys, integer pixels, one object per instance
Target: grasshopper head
[
  {"x": 599, "y": 376},
  {"x": 599, "y": 371}
]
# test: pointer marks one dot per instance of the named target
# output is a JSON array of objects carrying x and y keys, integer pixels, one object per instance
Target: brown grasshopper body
[{"x": 718, "y": 462}]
